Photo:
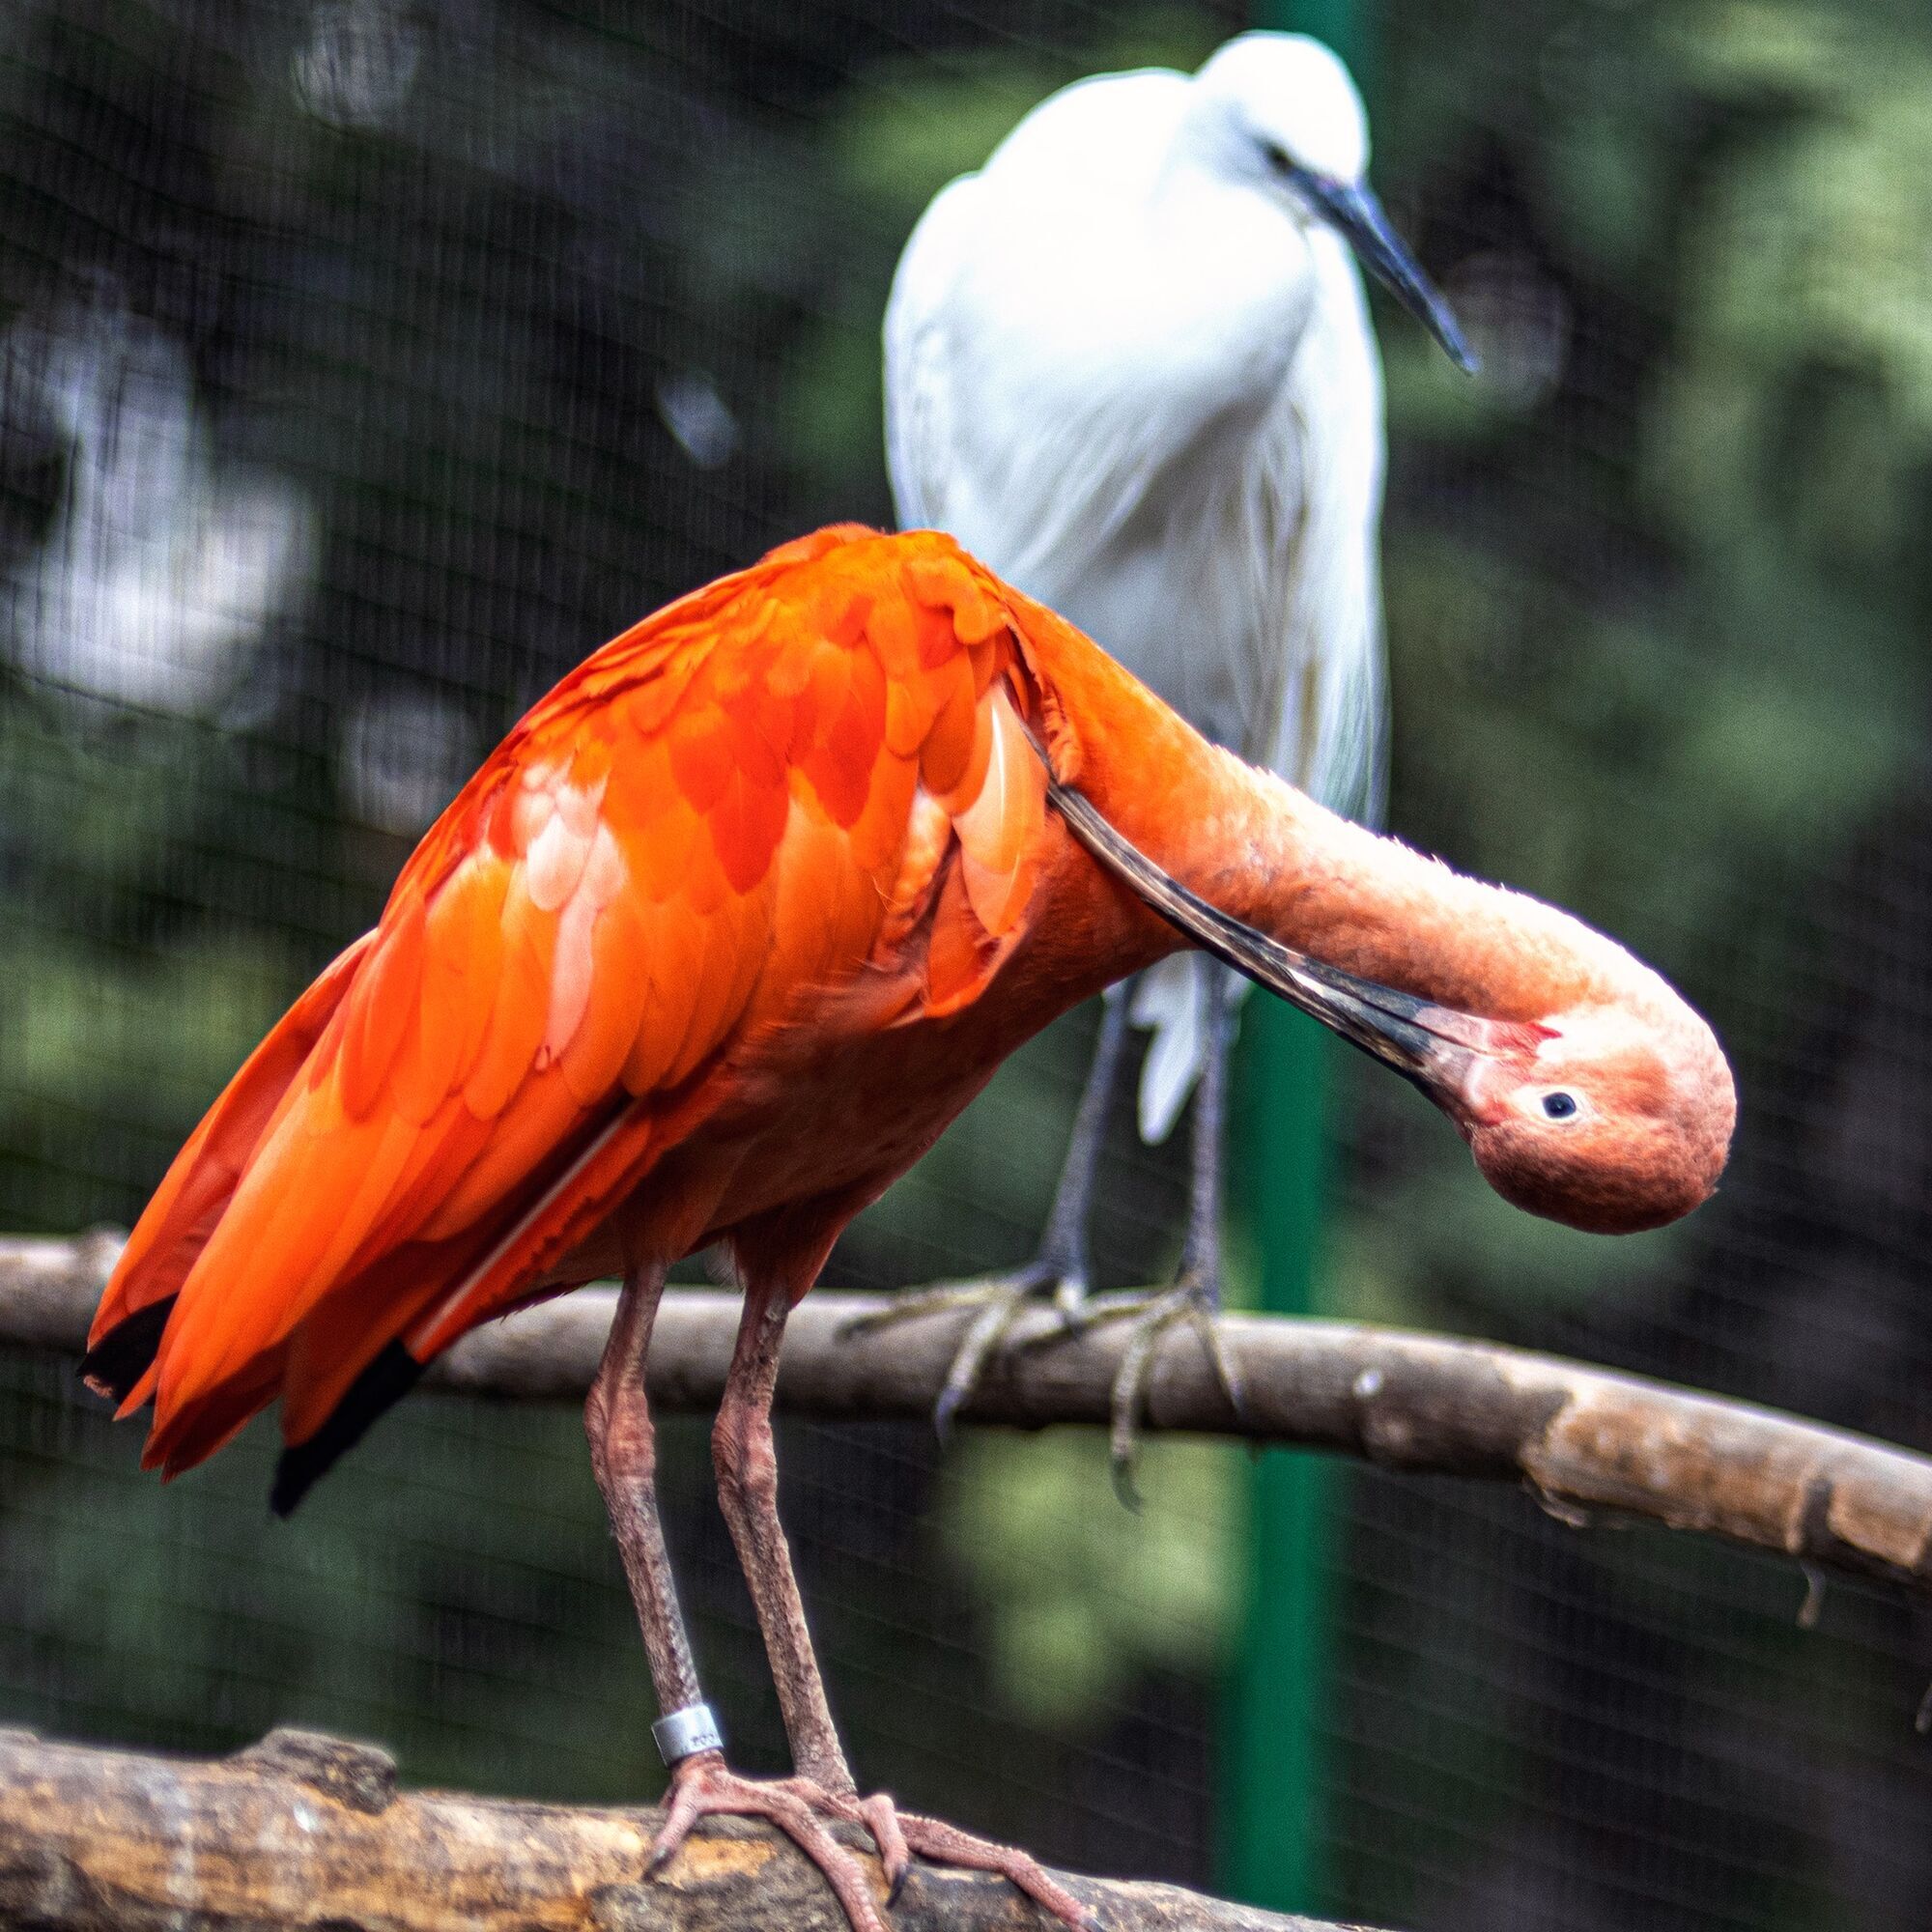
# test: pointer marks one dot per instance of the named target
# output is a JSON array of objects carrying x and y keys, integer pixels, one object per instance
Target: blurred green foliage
[
  {"x": 1656, "y": 594},
  {"x": 1079, "y": 1594}
]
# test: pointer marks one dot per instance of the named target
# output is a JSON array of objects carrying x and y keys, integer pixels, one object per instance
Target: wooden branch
[
  {"x": 1583, "y": 1440},
  {"x": 309, "y": 1831}
]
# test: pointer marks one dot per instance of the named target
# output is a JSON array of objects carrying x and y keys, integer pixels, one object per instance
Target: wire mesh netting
[{"x": 364, "y": 363}]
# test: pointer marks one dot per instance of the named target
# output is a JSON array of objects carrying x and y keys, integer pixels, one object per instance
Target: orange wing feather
[{"x": 812, "y": 771}]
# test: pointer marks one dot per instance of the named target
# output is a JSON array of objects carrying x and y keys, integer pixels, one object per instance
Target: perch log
[
  {"x": 309, "y": 1831},
  {"x": 1583, "y": 1440}
]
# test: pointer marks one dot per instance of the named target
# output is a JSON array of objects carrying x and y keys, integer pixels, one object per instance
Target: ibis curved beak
[
  {"x": 1358, "y": 217},
  {"x": 1437, "y": 1048}
]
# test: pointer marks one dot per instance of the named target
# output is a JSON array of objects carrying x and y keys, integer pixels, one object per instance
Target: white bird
[
  {"x": 163, "y": 570},
  {"x": 1128, "y": 363}
]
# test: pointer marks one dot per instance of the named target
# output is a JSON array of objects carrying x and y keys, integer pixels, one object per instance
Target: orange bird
[{"x": 713, "y": 946}]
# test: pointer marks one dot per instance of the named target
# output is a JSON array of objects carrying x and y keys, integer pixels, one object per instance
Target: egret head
[{"x": 1292, "y": 126}]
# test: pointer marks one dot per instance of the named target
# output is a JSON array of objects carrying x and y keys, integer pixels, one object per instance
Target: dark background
[{"x": 363, "y": 364}]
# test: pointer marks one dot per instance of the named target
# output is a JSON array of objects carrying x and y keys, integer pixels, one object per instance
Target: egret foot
[
  {"x": 1059, "y": 1273},
  {"x": 999, "y": 1299},
  {"x": 1194, "y": 1299},
  {"x": 704, "y": 1786}
]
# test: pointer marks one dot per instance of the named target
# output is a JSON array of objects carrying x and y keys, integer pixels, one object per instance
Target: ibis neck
[
  {"x": 1272, "y": 856},
  {"x": 1378, "y": 908}
]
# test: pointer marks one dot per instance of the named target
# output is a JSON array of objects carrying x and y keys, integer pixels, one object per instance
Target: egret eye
[
  {"x": 1277, "y": 158},
  {"x": 1559, "y": 1106}
]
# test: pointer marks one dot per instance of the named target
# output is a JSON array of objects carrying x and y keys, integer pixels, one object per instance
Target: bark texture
[
  {"x": 309, "y": 1831},
  {"x": 1584, "y": 1440}
]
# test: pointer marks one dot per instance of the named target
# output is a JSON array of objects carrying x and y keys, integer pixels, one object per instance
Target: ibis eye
[{"x": 1559, "y": 1106}]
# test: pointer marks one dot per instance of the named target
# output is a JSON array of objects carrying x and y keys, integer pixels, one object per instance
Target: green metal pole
[
  {"x": 1271, "y": 1821},
  {"x": 1345, "y": 24},
  {"x": 1272, "y": 1828}
]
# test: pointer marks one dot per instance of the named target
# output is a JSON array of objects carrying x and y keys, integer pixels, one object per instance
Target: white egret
[{"x": 1128, "y": 363}]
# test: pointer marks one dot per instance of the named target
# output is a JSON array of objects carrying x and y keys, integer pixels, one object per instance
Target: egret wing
[
  {"x": 1318, "y": 666},
  {"x": 919, "y": 351},
  {"x": 1288, "y": 568},
  {"x": 1018, "y": 335}
]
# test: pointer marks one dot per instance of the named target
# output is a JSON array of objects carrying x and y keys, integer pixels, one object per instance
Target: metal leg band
[{"x": 683, "y": 1734}]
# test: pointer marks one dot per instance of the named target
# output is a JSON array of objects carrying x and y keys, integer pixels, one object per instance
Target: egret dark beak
[
  {"x": 1358, "y": 217},
  {"x": 1435, "y": 1047}
]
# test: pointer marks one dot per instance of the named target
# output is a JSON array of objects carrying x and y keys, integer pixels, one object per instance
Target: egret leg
[
  {"x": 822, "y": 1787},
  {"x": 1195, "y": 1294},
  {"x": 1060, "y": 1271}
]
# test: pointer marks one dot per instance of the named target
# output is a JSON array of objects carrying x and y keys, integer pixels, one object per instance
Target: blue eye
[{"x": 1559, "y": 1106}]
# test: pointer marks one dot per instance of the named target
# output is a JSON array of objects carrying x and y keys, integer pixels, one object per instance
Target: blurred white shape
[
  {"x": 159, "y": 574},
  {"x": 403, "y": 758},
  {"x": 1519, "y": 320},
  {"x": 698, "y": 417},
  {"x": 359, "y": 62}
]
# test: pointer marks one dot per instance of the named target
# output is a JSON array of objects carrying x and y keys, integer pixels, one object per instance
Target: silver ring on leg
[{"x": 683, "y": 1734}]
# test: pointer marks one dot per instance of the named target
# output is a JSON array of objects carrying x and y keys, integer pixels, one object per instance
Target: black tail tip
[
  {"x": 383, "y": 1383},
  {"x": 123, "y": 1356}
]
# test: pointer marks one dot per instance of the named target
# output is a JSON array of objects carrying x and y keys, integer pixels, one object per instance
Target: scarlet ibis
[
  {"x": 712, "y": 948},
  {"x": 1128, "y": 364}
]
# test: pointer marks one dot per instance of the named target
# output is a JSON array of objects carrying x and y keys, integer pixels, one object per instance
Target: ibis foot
[
  {"x": 1195, "y": 1299},
  {"x": 998, "y": 1301},
  {"x": 704, "y": 1786},
  {"x": 943, "y": 1845}
]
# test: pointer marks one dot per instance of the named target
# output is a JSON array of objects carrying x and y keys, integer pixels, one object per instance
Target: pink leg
[
  {"x": 747, "y": 1489},
  {"x": 745, "y": 1457},
  {"x": 623, "y": 1454}
]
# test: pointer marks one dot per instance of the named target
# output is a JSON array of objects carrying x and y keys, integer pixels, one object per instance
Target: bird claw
[
  {"x": 947, "y": 1844},
  {"x": 704, "y": 1786},
  {"x": 880, "y": 1817},
  {"x": 998, "y": 1302},
  {"x": 1195, "y": 1298}
]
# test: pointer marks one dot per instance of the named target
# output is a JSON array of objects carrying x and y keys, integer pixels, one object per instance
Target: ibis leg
[
  {"x": 1062, "y": 1271},
  {"x": 623, "y": 1456},
  {"x": 623, "y": 1453},
  {"x": 822, "y": 1787},
  {"x": 746, "y": 1459}
]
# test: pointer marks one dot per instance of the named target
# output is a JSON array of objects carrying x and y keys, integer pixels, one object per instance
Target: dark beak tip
[{"x": 1358, "y": 217}]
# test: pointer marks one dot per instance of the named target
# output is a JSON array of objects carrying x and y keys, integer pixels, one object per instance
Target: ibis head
[{"x": 1614, "y": 1115}]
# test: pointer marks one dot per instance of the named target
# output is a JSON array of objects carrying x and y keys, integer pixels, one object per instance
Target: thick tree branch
[
  {"x": 309, "y": 1831},
  {"x": 1581, "y": 1438}
]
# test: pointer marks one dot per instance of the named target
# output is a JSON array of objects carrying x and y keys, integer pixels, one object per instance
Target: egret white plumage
[{"x": 1128, "y": 363}]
